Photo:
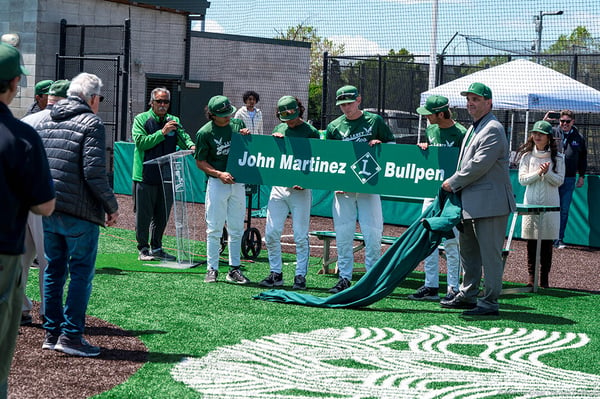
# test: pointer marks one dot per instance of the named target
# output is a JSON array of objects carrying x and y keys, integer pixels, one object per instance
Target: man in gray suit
[{"x": 483, "y": 182}]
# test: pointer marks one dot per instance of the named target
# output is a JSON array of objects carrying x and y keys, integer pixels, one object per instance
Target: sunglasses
[
  {"x": 100, "y": 98},
  {"x": 288, "y": 112},
  {"x": 162, "y": 101},
  {"x": 566, "y": 120},
  {"x": 224, "y": 109}
]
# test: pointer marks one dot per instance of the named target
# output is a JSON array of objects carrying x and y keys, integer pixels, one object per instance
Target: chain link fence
[{"x": 392, "y": 86}]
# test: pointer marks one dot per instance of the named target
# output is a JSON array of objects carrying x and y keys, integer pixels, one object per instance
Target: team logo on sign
[{"x": 365, "y": 168}]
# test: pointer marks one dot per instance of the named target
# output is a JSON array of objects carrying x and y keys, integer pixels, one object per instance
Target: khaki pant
[{"x": 11, "y": 299}]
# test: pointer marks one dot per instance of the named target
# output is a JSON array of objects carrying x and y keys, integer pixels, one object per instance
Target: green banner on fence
[{"x": 400, "y": 170}]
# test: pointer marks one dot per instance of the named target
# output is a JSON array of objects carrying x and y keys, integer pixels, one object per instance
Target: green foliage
[
  {"x": 488, "y": 62},
  {"x": 319, "y": 45},
  {"x": 315, "y": 94},
  {"x": 579, "y": 41}
]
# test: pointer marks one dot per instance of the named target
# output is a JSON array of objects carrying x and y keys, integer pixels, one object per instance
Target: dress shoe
[
  {"x": 479, "y": 311},
  {"x": 458, "y": 302}
]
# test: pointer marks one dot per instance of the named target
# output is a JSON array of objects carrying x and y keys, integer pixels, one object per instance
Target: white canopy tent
[{"x": 526, "y": 86}]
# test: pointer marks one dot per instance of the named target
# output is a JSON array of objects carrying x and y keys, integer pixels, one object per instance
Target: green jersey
[
  {"x": 213, "y": 142},
  {"x": 362, "y": 130},
  {"x": 445, "y": 137},
  {"x": 304, "y": 130}
]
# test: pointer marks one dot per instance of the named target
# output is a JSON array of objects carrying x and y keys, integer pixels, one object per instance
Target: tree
[
  {"x": 318, "y": 46},
  {"x": 579, "y": 41}
]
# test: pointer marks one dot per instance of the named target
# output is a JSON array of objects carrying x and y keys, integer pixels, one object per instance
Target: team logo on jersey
[
  {"x": 365, "y": 168},
  {"x": 222, "y": 147}
]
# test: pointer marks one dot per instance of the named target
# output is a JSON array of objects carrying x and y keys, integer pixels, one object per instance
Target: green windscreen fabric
[{"x": 415, "y": 244}]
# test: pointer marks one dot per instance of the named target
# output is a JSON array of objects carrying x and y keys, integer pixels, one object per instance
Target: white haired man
[{"x": 74, "y": 138}]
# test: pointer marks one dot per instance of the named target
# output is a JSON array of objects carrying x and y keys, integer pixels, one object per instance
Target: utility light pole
[{"x": 538, "y": 19}]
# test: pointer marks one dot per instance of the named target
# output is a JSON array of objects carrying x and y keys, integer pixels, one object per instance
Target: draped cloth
[{"x": 415, "y": 244}]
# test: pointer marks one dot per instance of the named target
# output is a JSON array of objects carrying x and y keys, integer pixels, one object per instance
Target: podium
[{"x": 176, "y": 179}]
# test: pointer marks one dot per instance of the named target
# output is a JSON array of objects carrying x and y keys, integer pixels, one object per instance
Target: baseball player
[
  {"x": 225, "y": 199},
  {"x": 441, "y": 132},
  {"x": 284, "y": 200},
  {"x": 362, "y": 127}
]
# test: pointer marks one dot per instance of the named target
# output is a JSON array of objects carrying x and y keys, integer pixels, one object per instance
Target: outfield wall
[{"x": 584, "y": 218}]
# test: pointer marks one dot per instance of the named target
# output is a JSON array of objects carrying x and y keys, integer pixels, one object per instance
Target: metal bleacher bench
[{"x": 327, "y": 236}]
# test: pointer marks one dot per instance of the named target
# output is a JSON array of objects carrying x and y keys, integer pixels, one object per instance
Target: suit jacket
[{"x": 482, "y": 177}]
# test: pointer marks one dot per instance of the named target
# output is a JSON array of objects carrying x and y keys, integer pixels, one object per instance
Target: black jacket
[
  {"x": 575, "y": 150},
  {"x": 74, "y": 141}
]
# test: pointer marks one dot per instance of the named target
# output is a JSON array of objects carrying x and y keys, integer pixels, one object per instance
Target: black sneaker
[
  {"x": 235, "y": 275},
  {"x": 211, "y": 276},
  {"x": 272, "y": 280},
  {"x": 425, "y": 294},
  {"x": 449, "y": 296},
  {"x": 458, "y": 302},
  {"x": 26, "y": 320},
  {"x": 159, "y": 254},
  {"x": 50, "y": 341},
  {"x": 341, "y": 285},
  {"x": 299, "y": 283},
  {"x": 76, "y": 347},
  {"x": 145, "y": 255}
]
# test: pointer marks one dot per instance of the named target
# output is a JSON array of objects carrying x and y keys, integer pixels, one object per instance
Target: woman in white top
[{"x": 541, "y": 171}]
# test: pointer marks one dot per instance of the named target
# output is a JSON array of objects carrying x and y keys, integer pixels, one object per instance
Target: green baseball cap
[
  {"x": 542, "y": 127},
  {"x": 433, "y": 105},
  {"x": 287, "y": 108},
  {"x": 346, "y": 94},
  {"x": 479, "y": 89},
  {"x": 42, "y": 87},
  {"x": 10, "y": 62},
  {"x": 59, "y": 88},
  {"x": 220, "y": 106}
]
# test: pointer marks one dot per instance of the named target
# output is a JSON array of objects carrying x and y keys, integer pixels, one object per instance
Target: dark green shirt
[
  {"x": 362, "y": 130},
  {"x": 304, "y": 130},
  {"x": 213, "y": 143}
]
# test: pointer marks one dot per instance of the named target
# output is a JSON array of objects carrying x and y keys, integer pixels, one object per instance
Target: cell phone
[{"x": 553, "y": 115}]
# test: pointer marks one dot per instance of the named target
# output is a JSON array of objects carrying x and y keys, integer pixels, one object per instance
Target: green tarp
[{"x": 414, "y": 245}]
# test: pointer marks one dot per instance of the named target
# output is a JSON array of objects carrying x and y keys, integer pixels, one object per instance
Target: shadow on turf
[{"x": 117, "y": 332}]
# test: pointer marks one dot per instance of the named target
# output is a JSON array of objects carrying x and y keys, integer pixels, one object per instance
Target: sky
[{"x": 376, "y": 26}]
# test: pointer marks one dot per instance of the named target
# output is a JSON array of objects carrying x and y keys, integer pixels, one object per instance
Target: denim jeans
[
  {"x": 71, "y": 245},
  {"x": 565, "y": 191}
]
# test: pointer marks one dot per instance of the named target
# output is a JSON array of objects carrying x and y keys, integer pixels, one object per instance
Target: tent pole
[
  {"x": 512, "y": 130},
  {"x": 526, "y": 125}
]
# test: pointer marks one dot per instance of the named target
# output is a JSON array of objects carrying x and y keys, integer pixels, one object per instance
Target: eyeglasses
[
  {"x": 288, "y": 112},
  {"x": 566, "y": 120},
  {"x": 100, "y": 98},
  {"x": 346, "y": 96},
  {"x": 162, "y": 101}
]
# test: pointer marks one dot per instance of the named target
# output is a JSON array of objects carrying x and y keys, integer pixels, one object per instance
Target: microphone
[{"x": 173, "y": 132}]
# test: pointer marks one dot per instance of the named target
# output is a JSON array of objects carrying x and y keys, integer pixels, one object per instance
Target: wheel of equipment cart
[{"x": 251, "y": 243}]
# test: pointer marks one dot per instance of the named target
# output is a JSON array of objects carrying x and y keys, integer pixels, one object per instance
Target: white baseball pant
[
  {"x": 347, "y": 207},
  {"x": 284, "y": 200},
  {"x": 224, "y": 203}
]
